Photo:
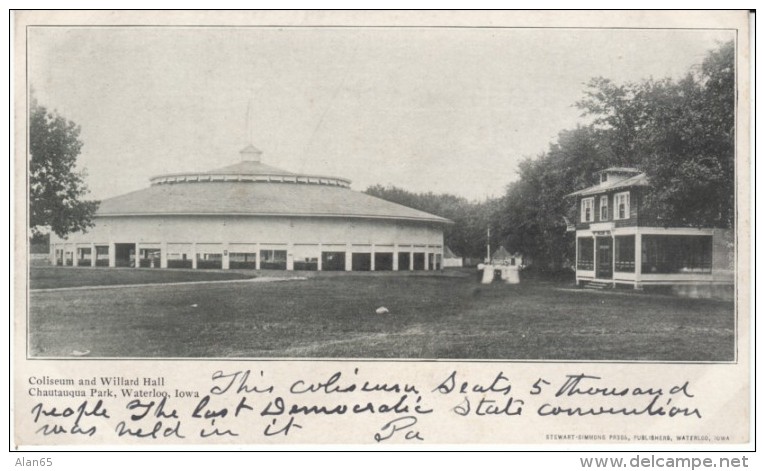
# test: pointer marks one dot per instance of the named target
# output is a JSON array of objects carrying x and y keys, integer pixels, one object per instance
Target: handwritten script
[{"x": 246, "y": 404}]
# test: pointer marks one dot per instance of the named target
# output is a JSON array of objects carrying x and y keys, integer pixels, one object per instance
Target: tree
[
  {"x": 532, "y": 218},
  {"x": 681, "y": 133},
  {"x": 55, "y": 187},
  {"x": 467, "y": 236}
]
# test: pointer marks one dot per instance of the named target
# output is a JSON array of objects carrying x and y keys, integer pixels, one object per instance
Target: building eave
[
  {"x": 256, "y": 214},
  {"x": 636, "y": 181}
]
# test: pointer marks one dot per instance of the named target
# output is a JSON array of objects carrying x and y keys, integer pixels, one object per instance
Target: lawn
[
  {"x": 432, "y": 316},
  {"x": 68, "y": 277}
]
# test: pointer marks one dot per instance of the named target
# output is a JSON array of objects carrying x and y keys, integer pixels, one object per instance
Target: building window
[
  {"x": 676, "y": 254},
  {"x": 83, "y": 257},
  {"x": 273, "y": 259},
  {"x": 404, "y": 259},
  {"x": 209, "y": 260},
  {"x": 622, "y": 205},
  {"x": 604, "y": 208},
  {"x": 305, "y": 257},
  {"x": 585, "y": 254},
  {"x": 624, "y": 253},
  {"x": 384, "y": 261},
  {"x": 179, "y": 256},
  {"x": 149, "y": 258},
  {"x": 587, "y": 214},
  {"x": 102, "y": 255},
  {"x": 418, "y": 262},
  {"x": 307, "y": 264},
  {"x": 242, "y": 260},
  {"x": 333, "y": 261},
  {"x": 361, "y": 261}
]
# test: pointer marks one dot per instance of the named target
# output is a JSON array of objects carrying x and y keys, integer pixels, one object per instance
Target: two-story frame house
[{"x": 617, "y": 244}]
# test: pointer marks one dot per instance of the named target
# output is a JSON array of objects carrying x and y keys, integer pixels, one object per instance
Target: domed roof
[{"x": 256, "y": 189}]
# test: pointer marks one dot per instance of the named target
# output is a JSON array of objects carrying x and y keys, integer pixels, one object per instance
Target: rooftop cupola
[
  {"x": 251, "y": 154},
  {"x": 249, "y": 169}
]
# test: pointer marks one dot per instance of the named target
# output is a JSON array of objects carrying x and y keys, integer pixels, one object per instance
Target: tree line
[
  {"x": 467, "y": 236},
  {"x": 680, "y": 132}
]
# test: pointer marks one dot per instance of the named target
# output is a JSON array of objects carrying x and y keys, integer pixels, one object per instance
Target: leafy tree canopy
[
  {"x": 467, "y": 236},
  {"x": 56, "y": 189},
  {"x": 680, "y": 132}
]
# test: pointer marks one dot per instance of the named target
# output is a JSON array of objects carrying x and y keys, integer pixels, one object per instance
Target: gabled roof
[
  {"x": 501, "y": 254},
  {"x": 637, "y": 180},
  {"x": 449, "y": 254}
]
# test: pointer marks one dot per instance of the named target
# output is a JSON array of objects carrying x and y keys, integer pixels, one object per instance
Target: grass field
[
  {"x": 432, "y": 315},
  {"x": 67, "y": 277}
]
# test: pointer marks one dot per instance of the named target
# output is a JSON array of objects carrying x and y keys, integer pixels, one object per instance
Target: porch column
[
  {"x": 224, "y": 264},
  {"x": 427, "y": 257},
  {"x": 348, "y": 258},
  {"x": 395, "y": 257},
  {"x": 92, "y": 254},
  {"x": 318, "y": 260},
  {"x": 576, "y": 258},
  {"x": 137, "y": 255},
  {"x": 638, "y": 259},
  {"x": 73, "y": 248},
  {"x": 372, "y": 259},
  {"x": 290, "y": 256},
  {"x": 163, "y": 255},
  {"x": 194, "y": 255},
  {"x": 112, "y": 254},
  {"x": 52, "y": 254},
  {"x": 613, "y": 259},
  {"x": 411, "y": 259},
  {"x": 257, "y": 256}
]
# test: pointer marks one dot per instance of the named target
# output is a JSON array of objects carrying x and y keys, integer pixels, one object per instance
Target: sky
[{"x": 442, "y": 110}]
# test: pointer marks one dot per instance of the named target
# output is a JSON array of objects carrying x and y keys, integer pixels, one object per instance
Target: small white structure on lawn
[
  {"x": 503, "y": 264},
  {"x": 502, "y": 257}
]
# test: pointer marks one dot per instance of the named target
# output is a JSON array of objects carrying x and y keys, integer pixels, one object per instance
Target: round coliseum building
[{"x": 253, "y": 216}]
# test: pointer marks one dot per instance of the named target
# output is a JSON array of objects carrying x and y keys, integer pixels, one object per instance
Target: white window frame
[
  {"x": 618, "y": 196},
  {"x": 591, "y": 202},
  {"x": 603, "y": 204}
]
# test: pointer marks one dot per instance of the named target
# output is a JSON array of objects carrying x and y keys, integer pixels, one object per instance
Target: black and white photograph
[
  {"x": 343, "y": 190},
  {"x": 546, "y": 194}
]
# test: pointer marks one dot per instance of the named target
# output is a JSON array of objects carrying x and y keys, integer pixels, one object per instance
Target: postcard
[{"x": 381, "y": 228}]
